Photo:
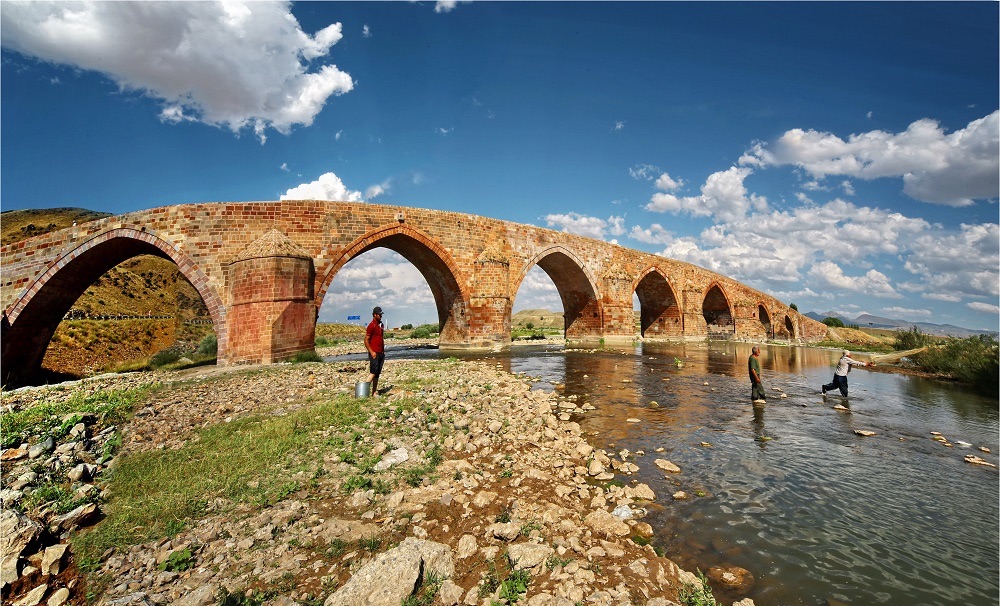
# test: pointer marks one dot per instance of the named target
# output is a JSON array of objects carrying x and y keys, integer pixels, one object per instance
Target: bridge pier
[{"x": 272, "y": 316}]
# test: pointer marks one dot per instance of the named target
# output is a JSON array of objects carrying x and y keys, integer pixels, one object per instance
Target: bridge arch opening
[
  {"x": 660, "y": 313},
  {"x": 537, "y": 308},
  {"x": 581, "y": 308},
  {"x": 718, "y": 314},
  {"x": 765, "y": 320},
  {"x": 364, "y": 284},
  {"x": 64, "y": 327},
  {"x": 789, "y": 328}
]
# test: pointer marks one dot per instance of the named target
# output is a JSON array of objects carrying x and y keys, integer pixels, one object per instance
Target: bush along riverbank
[{"x": 274, "y": 485}]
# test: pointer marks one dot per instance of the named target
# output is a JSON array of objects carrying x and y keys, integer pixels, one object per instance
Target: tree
[
  {"x": 833, "y": 322},
  {"x": 794, "y": 306}
]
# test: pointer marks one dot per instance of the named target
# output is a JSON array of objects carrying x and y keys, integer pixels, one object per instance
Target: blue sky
[{"x": 840, "y": 156}]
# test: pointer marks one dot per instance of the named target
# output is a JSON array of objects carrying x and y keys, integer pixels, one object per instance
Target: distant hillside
[
  {"x": 17, "y": 225},
  {"x": 868, "y": 320},
  {"x": 539, "y": 318}
]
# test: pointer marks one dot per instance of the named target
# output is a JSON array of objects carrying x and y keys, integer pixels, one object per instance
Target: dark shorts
[{"x": 375, "y": 363}]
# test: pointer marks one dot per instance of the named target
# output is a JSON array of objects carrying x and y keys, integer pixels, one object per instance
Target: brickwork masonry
[{"x": 263, "y": 269}]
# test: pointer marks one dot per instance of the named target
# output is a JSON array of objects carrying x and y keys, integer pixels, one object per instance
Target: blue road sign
[{"x": 349, "y": 318}]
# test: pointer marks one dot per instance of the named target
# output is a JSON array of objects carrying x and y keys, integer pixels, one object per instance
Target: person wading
[
  {"x": 375, "y": 344},
  {"x": 756, "y": 385},
  {"x": 840, "y": 375}
]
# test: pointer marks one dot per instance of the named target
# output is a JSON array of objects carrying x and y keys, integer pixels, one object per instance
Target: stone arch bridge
[{"x": 263, "y": 268}]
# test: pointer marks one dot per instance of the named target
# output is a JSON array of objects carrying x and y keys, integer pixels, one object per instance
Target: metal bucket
[{"x": 362, "y": 389}]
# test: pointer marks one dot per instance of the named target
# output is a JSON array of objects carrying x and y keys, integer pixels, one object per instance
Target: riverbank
[{"x": 458, "y": 467}]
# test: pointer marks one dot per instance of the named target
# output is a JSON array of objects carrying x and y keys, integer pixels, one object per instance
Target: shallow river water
[{"x": 788, "y": 491}]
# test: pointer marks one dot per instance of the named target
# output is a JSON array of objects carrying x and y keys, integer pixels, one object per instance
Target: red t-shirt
[{"x": 374, "y": 336}]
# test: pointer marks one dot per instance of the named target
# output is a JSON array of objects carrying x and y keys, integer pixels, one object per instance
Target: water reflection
[{"x": 788, "y": 490}]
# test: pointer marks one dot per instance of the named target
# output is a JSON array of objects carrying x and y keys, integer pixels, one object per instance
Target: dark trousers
[
  {"x": 838, "y": 382},
  {"x": 757, "y": 392}
]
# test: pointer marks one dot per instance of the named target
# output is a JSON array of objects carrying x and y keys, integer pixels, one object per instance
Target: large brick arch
[
  {"x": 31, "y": 320},
  {"x": 765, "y": 320},
  {"x": 718, "y": 311},
  {"x": 660, "y": 313},
  {"x": 431, "y": 260},
  {"x": 582, "y": 315}
]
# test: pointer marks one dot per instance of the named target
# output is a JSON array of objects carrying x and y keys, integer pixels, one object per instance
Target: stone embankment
[{"x": 519, "y": 507}]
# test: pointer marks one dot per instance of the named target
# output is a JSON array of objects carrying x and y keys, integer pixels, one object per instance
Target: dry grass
[{"x": 17, "y": 225}]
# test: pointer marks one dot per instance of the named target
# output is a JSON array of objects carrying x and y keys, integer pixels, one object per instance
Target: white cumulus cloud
[
  {"x": 965, "y": 262},
  {"x": 583, "y": 225},
  {"x": 723, "y": 196},
  {"x": 236, "y": 64},
  {"x": 984, "y": 307},
  {"x": 874, "y": 282},
  {"x": 446, "y": 6},
  {"x": 952, "y": 169},
  {"x": 328, "y": 187}
]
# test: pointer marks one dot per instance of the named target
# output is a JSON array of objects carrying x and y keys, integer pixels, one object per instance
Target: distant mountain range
[{"x": 868, "y": 320}]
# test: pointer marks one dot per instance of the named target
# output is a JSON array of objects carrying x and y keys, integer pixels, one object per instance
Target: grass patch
[
  {"x": 697, "y": 595},
  {"x": 111, "y": 407},
  {"x": 425, "y": 594},
  {"x": 152, "y": 490},
  {"x": 306, "y": 356}
]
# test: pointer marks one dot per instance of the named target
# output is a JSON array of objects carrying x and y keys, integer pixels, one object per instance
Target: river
[{"x": 817, "y": 513}]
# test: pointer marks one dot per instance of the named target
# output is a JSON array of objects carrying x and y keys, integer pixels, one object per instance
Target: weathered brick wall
[
  {"x": 272, "y": 316},
  {"x": 474, "y": 266}
]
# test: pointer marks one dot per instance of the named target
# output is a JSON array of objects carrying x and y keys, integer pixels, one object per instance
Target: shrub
[
  {"x": 910, "y": 339},
  {"x": 162, "y": 358},
  {"x": 973, "y": 360},
  {"x": 424, "y": 331},
  {"x": 209, "y": 345}
]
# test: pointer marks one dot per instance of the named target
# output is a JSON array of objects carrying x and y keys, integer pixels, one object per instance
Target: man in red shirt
[{"x": 375, "y": 344}]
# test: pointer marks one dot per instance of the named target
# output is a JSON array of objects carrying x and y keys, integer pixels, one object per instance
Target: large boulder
[
  {"x": 392, "y": 576},
  {"x": 17, "y": 532}
]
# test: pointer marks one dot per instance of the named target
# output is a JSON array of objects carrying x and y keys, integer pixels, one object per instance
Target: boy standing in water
[{"x": 757, "y": 386}]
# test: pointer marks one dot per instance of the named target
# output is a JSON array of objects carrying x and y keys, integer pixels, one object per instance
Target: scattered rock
[
  {"x": 970, "y": 458},
  {"x": 528, "y": 556},
  {"x": 394, "y": 457},
  {"x": 667, "y": 466},
  {"x": 732, "y": 578}
]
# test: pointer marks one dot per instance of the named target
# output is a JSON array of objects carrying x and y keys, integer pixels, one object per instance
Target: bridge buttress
[{"x": 272, "y": 316}]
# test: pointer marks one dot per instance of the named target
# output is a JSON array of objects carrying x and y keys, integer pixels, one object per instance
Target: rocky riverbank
[{"x": 485, "y": 486}]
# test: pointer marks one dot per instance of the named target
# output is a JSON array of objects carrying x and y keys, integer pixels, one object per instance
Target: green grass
[
  {"x": 153, "y": 491},
  {"x": 111, "y": 407},
  {"x": 697, "y": 595}
]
